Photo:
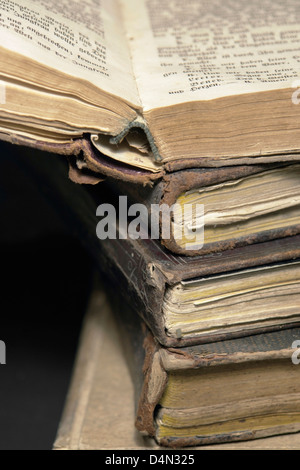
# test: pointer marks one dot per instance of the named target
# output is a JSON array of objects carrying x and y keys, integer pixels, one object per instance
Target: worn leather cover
[{"x": 87, "y": 164}]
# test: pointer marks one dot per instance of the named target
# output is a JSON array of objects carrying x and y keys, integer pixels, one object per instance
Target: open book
[{"x": 152, "y": 84}]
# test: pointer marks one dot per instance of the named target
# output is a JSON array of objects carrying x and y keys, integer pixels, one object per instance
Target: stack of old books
[{"x": 190, "y": 113}]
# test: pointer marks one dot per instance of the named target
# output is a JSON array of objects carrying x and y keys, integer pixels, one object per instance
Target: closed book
[
  {"x": 225, "y": 391},
  {"x": 192, "y": 300}
]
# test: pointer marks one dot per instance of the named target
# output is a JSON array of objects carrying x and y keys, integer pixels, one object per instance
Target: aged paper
[
  {"x": 189, "y": 51},
  {"x": 83, "y": 39}
]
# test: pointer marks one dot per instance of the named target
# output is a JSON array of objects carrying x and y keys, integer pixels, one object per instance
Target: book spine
[
  {"x": 155, "y": 380},
  {"x": 137, "y": 279},
  {"x": 142, "y": 353}
]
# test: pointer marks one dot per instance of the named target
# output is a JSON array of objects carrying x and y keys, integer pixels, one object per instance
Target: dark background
[{"x": 45, "y": 286}]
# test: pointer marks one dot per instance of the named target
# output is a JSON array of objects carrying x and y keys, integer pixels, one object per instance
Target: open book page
[
  {"x": 201, "y": 50},
  {"x": 82, "y": 39}
]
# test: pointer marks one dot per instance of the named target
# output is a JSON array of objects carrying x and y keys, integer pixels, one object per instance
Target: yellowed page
[
  {"x": 201, "y": 50},
  {"x": 83, "y": 39}
]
